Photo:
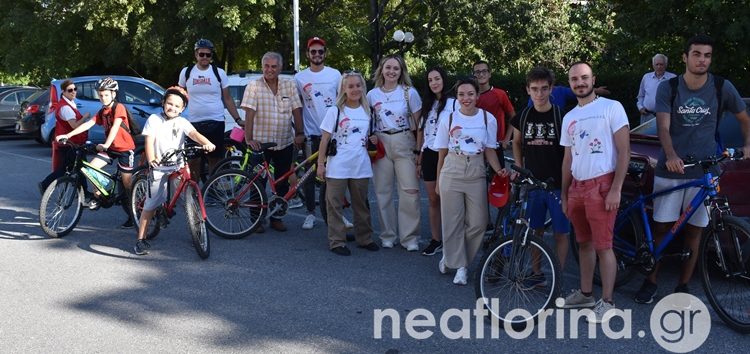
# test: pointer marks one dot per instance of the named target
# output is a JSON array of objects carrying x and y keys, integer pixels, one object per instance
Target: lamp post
[{"x": 402, "y": 38}]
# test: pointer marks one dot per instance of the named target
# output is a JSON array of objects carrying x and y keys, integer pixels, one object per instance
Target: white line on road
[{"x": 25, "y": 157}]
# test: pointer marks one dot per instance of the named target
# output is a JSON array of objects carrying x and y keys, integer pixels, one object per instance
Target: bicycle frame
[
  {"x": 265, "y": 169},
  {"x": 183, "y": 173},
  {"x": 709, "y": 186}
]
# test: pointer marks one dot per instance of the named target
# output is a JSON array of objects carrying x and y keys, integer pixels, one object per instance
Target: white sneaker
[
  {"x": 387, "y": 244},
  {"x": 347, "y": 223},
  {"x": 441, "y": 266},
  {"x": 295, "y": 203},
  {"x": 309, "y": 222},
  {"x": 603, "y": 312},
  {"x": 460, "y": 278},
  {"x": 413, "y": 247}
]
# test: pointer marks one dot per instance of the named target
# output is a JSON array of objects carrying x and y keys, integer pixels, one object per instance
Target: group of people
[{"x": 449, "y": 143}]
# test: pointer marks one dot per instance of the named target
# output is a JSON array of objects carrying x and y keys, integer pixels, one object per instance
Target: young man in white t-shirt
[
  {"x": 597, "y": 150},
  {"x": 318, "y": 86}
]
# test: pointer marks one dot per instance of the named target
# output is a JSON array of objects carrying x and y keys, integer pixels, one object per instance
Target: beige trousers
[
  {"x": 399, "y": 162},
  {"x": 335, "y": 188},
  {"x": 463, "y": 207}
]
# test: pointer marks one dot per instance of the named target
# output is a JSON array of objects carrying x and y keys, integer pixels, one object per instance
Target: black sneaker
[
  {"x": 682, "y": 288},
  {"x": 434, "y": 247},
  {"x": 128, "y": 224},
  {"x": 141, "y": 247},
  {"x": 341, "y": 251},
  {"x": 372, "y": 246},
  {"x": 646, "y": 293}
]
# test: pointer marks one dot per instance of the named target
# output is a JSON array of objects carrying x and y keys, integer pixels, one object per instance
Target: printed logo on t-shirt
[
  {"x": 346, "y": 130},
  {"x": 382, "y": 112},
  {"x": 693, "y": 111},
  {"x": 201, "y": 80},
  {"x": 312, "y": 94},
  {"x": 461, "y": 141},
  {"x": 540, "y": 134}
]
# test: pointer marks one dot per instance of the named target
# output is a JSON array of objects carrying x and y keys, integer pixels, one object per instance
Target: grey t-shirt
[{"x": 693, "y": 125}]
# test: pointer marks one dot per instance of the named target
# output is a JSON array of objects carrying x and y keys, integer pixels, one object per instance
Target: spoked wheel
[
  {"x": 196, "y": 223},
  {"x": 726, "y": 271},
  {"x": 229, "y": 163},
  {"x": 235, "y": 205},
  {"x": 137, "y": 199},
  {"x": 628, "y": 236},
  {"x": 61, "y": 207},
  {"x": 506, "y": 281}
]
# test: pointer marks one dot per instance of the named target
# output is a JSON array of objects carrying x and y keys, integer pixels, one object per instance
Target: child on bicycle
[
  {"x": 114, "y": 118},
  {"x": 165, "y": 132}
]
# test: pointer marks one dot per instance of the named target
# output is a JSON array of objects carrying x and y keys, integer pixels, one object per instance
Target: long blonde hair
[
  {"x": 404, "y": 79},
  {"x": 341, "y": 98}
]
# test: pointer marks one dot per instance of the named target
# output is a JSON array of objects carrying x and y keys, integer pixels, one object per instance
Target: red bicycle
[{"x": 194, "y": 208}]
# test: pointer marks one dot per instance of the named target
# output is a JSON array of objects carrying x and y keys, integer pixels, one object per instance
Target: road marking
[{"x": 25, "y": 157}]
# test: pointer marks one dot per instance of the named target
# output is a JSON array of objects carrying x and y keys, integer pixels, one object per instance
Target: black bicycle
[
  {"x": 63, "y": 200},
  {"x": 520, "y": 272}
]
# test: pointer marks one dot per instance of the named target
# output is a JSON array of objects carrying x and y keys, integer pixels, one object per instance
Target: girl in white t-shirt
[
  {"x": 397, "y": 108},
  {"x": 434, "y": 102},
  {"x": 465, "y": 138},
  {"x": 164, "y": 132},
  {"x": 346, "y": 128}
]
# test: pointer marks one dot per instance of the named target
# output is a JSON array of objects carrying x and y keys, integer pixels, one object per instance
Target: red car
[{"x": 645, "y": 148}]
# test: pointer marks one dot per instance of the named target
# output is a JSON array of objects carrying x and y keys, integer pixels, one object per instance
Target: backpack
[
  {"x": 190, "y": 69},
  {"x": 718, "y": 85},
  {"x": 134, "y": 128},
  {"x": 556, "y": 112}
]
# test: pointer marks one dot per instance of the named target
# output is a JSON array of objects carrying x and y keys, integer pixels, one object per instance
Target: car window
[
  {"x": 9, "y": 99},
  {"x": 237, "y": 92},
  {"x": 87, "y": 91},
  {"x": 136, "y": 93},
  {"x": 24, "y": 95}
]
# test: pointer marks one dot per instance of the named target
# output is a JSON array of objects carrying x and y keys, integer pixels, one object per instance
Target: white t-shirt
[
  {"x": 391, "y": 109},
  {"x": 589, "y": 131},
  {"x": 66, "y": 111},
  {"x": 351, "y": 159},
  {"x": 431, "y": 124},
  {"x": 168, "y": 135},
  {"x": 318, "y": 91},
  {"x": 206, "y": 101},
  {"x": 467, "y": 135}
]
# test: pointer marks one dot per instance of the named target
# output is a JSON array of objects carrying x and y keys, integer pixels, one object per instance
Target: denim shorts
[{"x": 539, "y": 203}]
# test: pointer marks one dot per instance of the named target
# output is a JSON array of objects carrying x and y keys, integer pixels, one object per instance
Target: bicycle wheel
[
  {"x": 235, "y": 205},
  {"x": 627, "y": 238},
  {"x": 61, "y": 207},
  {"x": 726, "y": 271},
  {"x": 229, "y": 163},
  {"x": 138, "y": 196},
  {"x": 196, "y": 223},
  {"x": 503, "y": 286}
]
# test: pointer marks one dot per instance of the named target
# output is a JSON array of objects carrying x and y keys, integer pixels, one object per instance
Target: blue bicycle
[{"x": 724, "y": 249}]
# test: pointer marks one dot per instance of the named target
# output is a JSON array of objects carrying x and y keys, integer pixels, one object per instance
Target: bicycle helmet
[
  {"x": 499, "y": 191},
  {"x": 176, "y": 90},
  {"x": 203, "y": 43},
  {"x": 107, "y": 83}
]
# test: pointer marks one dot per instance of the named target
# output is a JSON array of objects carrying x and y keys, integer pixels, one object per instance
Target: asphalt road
[{"x": 274, "y": 292}]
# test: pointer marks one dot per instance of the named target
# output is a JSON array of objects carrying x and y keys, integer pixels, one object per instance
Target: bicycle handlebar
[
  {"x": 88, "y": 147},
  {"x": 526, "y": 177},
  {"x": 165, "y": 159},
  {"x": 706, "y": 163}
]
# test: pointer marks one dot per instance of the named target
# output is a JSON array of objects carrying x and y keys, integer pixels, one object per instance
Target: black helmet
[
  {"x": 203, "y": 43},
  {"x": 107, "y": 83}
]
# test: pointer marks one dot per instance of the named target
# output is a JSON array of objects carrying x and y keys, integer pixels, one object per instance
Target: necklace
[
  {"x": 595, "y": 97},
  {"x": 388, "y": 93}
]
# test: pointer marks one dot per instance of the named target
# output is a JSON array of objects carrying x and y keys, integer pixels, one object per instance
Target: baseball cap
[
  {"x": 499, "y": 191},
  {"x": 314, "y": 40}
]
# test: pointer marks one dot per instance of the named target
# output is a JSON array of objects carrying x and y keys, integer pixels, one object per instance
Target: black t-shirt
[{"x": 540, "y": 142}]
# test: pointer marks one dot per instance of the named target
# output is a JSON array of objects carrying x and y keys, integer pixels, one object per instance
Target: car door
[
  {"x": 10, "y": 104},
  {"x": 140, "y": 98},
  {"x": 87, "y": 101}
]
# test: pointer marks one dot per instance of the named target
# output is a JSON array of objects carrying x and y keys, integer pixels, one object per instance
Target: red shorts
[{"x": 587, "y": 212}]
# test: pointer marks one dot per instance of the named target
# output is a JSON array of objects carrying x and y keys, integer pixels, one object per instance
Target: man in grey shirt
[{"x": 687, "y": 126}]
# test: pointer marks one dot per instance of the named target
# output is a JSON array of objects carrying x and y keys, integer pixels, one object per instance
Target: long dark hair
[{"x": 428, "y": 97}]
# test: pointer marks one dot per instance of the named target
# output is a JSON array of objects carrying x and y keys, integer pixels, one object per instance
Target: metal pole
[{"x": 296, "y": 35}]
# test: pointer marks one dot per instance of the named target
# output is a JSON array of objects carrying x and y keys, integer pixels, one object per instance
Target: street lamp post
[{"x": 402, "y": 38}]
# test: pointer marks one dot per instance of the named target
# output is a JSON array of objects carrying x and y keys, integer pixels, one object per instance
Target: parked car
[
  {"x": 142, "y": 98},
  {"x": 645, "y": 148},
  {"x": 31, "y": 115},
  {"x": 12, "y": 87},
  {"x": 10, "y": 103}
]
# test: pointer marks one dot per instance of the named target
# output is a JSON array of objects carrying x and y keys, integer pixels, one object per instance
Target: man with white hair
[{"x": 650, "y": 81}]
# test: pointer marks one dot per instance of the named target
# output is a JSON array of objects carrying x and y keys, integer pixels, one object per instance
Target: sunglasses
[
  {"x": 205, "y": 55},
  {"x": 71, "y": 90},
  {"x": 317, "y": 51}
]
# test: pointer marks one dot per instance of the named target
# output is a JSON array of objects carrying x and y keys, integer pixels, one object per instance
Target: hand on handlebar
[
  {"x": 62, "y": 138},
  {"x": 675, "y": 165},
  {"x": 101, "y": 147},
  {"x": 254, "y": 144},
  {"x": 209, "y": 147}
]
